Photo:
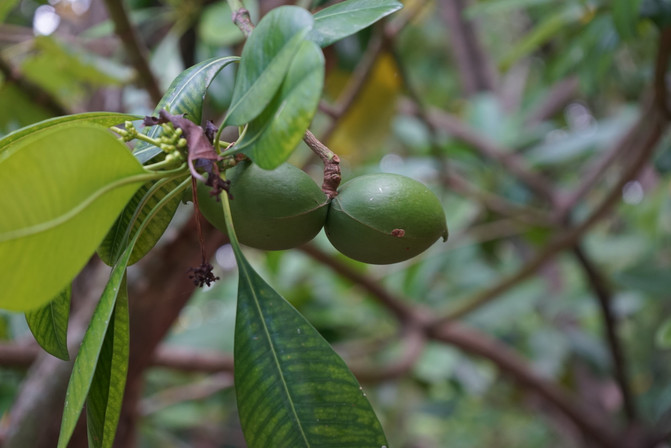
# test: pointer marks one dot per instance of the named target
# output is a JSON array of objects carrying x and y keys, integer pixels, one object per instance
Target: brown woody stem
[{"x": 331, "y": 161}]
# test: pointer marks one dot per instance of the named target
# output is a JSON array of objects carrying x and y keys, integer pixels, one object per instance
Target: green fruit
[
  {"x": 384, "y": 218},
  {"x": 272, "y": 210}
]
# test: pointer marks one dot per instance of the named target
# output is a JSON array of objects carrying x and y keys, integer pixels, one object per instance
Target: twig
[
  {"x": 556, "y": 99},
  {"x": 356, "y": 83},
  {"x": 241, "y": 17},
  {"x": 36, "y": 93},
  {"x": 463, "y": 132},
  {"x": 402, "y": 311},
  {"x": 604, "y": 295},
  {"x": 509, "y": 362},
  {"x": 189, "y": 392},
  {"x": 331, "y": 162},
  {"x": 475, "y": 70},
  {"x": 654, "y": 127},
  {"x": 661, "y": 65},
  {"x": 137, "y": 52}
]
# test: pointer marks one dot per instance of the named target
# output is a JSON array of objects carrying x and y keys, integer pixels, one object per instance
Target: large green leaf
[
  {"x": 102, "y": 118},
  {"x": 49, "y": 325},
  {"x": 5, "y": 8},
  {"x": 346, "y": 18},
  {"x": 273, "y": 135},
  {"x": 90, "y": 350},
  {"x": 134, "y": 215},
  {"x": 108, "y": 388},
  {"x": 626, "y": 17},
  {"x": 292, "y": 389},
  {"x": 103, "y": 405},
  {"x": 265, "y": 60},
  {"x": 60, "y": 192},
  {"x": 184, "y": 96}
]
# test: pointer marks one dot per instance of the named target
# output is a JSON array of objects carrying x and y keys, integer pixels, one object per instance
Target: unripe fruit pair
[{"x": 376, "y": 218}]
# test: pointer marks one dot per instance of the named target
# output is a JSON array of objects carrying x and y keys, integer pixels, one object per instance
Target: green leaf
[
  {"x": 103, "y": 405},
  {"x": 273, "y": 135},
  {"x": 625, "y": 17},
  {"x": 543, "y": 32},
  {"x": 60, "y": 192},
  {"x": 663, "y": 337},
  {"x": 6, "y": 7},
  {"x": 184, "y": 96},
  {"x": 292, "y": 389},
  {"x": 265, "y": 60},
  {"x": 90, "y": 350},
  {"x": 134, "y": 215},
  {"x": 348, "y": 17},
  {"x": 49, "y": 325},
  {"x": 101, "y": 118}
]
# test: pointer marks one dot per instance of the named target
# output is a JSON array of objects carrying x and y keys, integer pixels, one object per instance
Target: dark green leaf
[
  {"x": 292, "y": 389},
  {"x": 103, "y": 405},
  {"x": 625, "y": 17},
  {"x": 135, "y": 213},
  {"x": 663, "y": 337},
  {"x": 90, "y": 350},
  {"x": 265, "y": 60},
  {"x": 346, "y": 18},
  {"x": 274, "y": 134},
  {"x": 184, "y": 96},
  {"x": 101, "y": 118},
  {"x": 49, "y": 325},
  {"x": 60, "y": 192}
]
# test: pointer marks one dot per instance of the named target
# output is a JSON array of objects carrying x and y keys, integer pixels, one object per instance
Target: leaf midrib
[{"x": 243, "y": 267}]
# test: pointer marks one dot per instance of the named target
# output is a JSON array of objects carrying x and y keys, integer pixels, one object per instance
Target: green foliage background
[{"x": 441, "y": 396}]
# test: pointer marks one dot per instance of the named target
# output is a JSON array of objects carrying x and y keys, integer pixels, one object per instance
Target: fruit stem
[{"x": 331, "y": 161}]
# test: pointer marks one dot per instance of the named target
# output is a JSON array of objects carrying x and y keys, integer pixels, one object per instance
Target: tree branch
[
  {"x": 603, "y": 294},
  {"x": 474, "y": 67},
  {"x": 137, "y": 52},
  {"x": 32, "y": 90}
]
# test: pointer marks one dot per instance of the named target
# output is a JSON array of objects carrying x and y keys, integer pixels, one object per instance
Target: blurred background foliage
[{"x": 596, "y": 58}]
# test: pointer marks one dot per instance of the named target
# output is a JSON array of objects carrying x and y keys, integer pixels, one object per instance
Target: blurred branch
[
  {"x": 474, "y": 342},
  {"x": 654, "y": 127},
  {"x": 661, "y": 67},
  {"x": 34, "y": 91},
  {"x": 559, "y": 95},
  {"x": 199, "y": 390},
  {"x": 355, "y": 84},
  {"x": 475, "y": 69},
  {"x": 510, "y": 363},
  {"x": 489, "y": 149},
  {"x": 137, "y": 52},
  {"x": 402, "y": 311},
  {"x": 604, "y": 297}
]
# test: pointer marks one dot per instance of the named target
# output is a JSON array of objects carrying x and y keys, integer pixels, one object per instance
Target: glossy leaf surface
[
  {"x": 348, "y": 17},
  {"x": 184, "y": 96},
  {"x": 274, "y": 134},
  {"x": 101, "y": 118},
  {"x": 265, "y": 60},
  {"x": 49, "y": 325},
  {"x": 105, "y": 398},
  {"x": 53, "y": 220},
  {"x": 90, "y": 351},
  {"x": 134, "y": 214}
]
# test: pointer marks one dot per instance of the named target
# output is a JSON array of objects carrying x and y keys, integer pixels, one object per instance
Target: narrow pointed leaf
[
  {"x": 292, "y": 389},
  {"x": 349, "y": 17},
  {"x": 49, "y": 325},
  {"x": 273, "y": 135},
  {"x": 105, "y": 398},
  {"x": 184, "y": 96},
  {"x": 60, "y": 192},
  {"x": 101, "y": 118},
  {"x": 265, "y": 60},
  {"x": 134, "y": 215},
  {"x": 90, "y": 349}
]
